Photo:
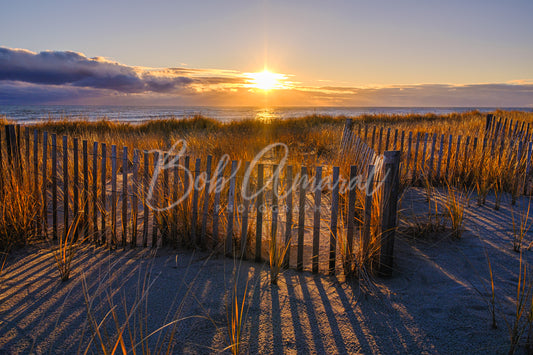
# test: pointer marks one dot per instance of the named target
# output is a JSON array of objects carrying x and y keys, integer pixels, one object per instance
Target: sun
[{"x": 266, "y": 80}]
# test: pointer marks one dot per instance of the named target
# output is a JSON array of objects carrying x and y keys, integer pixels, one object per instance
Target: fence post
[{"x": 390, "y": 192}]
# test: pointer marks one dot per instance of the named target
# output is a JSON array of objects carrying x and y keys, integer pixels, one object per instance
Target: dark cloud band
[{"x": 75, "y": 69}]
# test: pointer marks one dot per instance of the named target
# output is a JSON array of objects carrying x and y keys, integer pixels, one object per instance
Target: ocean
[{"x": 35, "y": 113}]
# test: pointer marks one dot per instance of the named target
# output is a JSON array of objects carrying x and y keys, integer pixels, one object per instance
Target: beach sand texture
[{"x": 436, "y": 302}]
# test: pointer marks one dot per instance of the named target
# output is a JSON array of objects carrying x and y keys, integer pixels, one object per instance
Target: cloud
[
  {"x": 66, "y": 77},
  {"x": 436, "y": 95},
  {"x": 75, "y": 69}
]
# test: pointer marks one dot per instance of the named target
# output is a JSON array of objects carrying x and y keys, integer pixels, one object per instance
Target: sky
[{"x": 328, "y": 53}]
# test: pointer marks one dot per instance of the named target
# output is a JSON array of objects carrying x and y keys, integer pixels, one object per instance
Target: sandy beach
[{"x": 438, "y": 300}]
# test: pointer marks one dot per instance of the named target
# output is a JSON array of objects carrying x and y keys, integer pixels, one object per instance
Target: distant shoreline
[{"x": 38, "y": 113}]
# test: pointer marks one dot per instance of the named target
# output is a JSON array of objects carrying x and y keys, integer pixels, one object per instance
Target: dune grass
[{"x": 311, "y": 141}]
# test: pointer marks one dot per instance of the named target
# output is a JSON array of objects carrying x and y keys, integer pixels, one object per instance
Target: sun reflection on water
[{"x": 265, "y": 114}]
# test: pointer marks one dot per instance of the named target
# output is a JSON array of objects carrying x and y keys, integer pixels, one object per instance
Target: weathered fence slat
[
  {"x": 275, "y": 211},
  {"x": 448, "y": 157},
  {"x": 124, "y": 196},
  {"x": 432, "y": 157},
  {"x": 259, "y": 213},
  {"x": 65, "y": 187},
  {"x": 423, "y": 169},
  {"x": 457, "y": 147},
  {"x": 27, "y": 150},
  {"x": 164, "y": 198},
  {"x": 75, "y": 184},
  {"x": 113, "y": 196},
  {"x": 365, "y": 235},
  {"x": 409, "y": 142},
  {"x": 95, "y": 192},
  {"x": 380, "y": 139},
  {"x": 216, "y": 210},
  {"x": 348, "y": 252},
  {"x": 334, "y": 220},
  {"x": 528, "y": 164},
  {"x": 245, "y": 192},
  {"x": 135, "y": 198},
  {"x": 103, "y": 198},
  {"x": 35, "y": 174},
  {"x": 301, "y": 218},
  {"x": 465, "y": 158},
  {"x": 45, "y": 183},
  {"x": 316, "y": 220},
  {"x": 415, "y": 161},
  {"x": 206, "y": 201},
  {"x": 288, "y": 216},
  {"x": 54, "y": 187},
  {"x": 146, "y": 167},
  {"x": 194, "y": 224},
  {"x": 155, "y": 198},
  {"x": 186, "y": 192},
  {"x": 85, "y": 190},
  {"x": 439, "y": 161},
  {"x": 231, "y": 209}
]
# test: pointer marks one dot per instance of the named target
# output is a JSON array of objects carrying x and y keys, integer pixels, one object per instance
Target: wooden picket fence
[
  {"x": 126, "y": 198},
  {"x": 440, "y": 159}
]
